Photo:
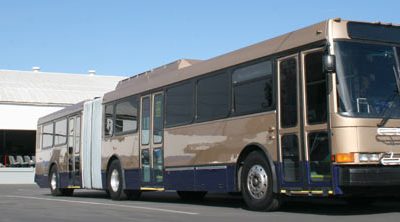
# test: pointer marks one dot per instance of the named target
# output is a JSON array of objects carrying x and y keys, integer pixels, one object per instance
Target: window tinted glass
[
  {"x": 366, "y": 75},
  {"x": 158, "y": 120},
  {"x": 125, "y": 116},
  {"x": 47, "y": 136},
  {"x": 213, "y": 97},
  {"x": 252, "y": 88},
  {"x": 179, "y": 106},
  {"x": 288, "y": 84},
  {"x": 253, "y": 96},
  {"x": 60, "y": 132},
  {"x": 252, "y": 71},
  {"x": 374, "y": 32},
  {"x": 291, "y": 158},
  {"x": 108, "y": 120},
  {"x": 158, "y": 165},
  {"x": 320, "y": 161},
  {"x": 146, "y": 170},
  {"x": 71, "y": 132},
  {"x": 316, "y": 88},
  {"x": 78, "y": 134},
  {"x": 145, "y": 122}
]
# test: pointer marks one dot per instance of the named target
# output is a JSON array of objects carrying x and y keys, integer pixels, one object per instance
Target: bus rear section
[{"x": 69, "y": 149}]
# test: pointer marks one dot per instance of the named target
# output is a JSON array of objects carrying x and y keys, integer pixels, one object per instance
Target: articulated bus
[{"x": 314, "y": 112}]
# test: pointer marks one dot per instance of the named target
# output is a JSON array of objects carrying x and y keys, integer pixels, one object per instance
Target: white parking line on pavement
[{"x": 104, "y": 204}]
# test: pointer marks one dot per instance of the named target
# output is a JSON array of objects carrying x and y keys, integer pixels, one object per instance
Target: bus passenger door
[
  {"x": 302, "y": 113},
  {"x": 289, "y": 124},
  {"x": 314, "y": 117},
  {"x": 151, "y": 140},
  {"x": 74, "y": 138}
]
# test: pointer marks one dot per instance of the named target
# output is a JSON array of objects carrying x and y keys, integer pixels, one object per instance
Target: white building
[{"x": 27, "y": 95}]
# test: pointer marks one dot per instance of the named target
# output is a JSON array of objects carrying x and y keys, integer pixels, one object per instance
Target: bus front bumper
[{"x": 369, "y": 176}]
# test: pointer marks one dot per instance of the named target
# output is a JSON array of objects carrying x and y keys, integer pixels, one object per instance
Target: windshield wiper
[{"x": 388, "y": 109}]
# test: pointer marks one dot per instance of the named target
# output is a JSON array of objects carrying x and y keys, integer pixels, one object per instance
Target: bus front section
[{"x": 365, "y": 108}]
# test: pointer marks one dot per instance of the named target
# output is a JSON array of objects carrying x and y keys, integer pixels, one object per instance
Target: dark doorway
[{"x": 16, "y": 143}]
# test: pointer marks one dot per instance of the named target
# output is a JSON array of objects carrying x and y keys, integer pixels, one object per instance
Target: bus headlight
[
  {"x": 369, "y": 157},
  {"x": 363, "y": 157}
]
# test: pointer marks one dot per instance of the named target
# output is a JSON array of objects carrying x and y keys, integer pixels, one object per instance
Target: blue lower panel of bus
[
  {"x": 132, "y": 179},
  {"x": 180, "y": 179},
  {"x": 202, "y": 178},
  {"x": 304, "y": 178},
  {"x": 42, "y": 181}
]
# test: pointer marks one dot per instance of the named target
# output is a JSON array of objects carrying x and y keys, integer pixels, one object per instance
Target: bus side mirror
[{"x": 329, "y": 63}]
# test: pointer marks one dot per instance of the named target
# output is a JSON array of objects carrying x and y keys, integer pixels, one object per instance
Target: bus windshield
[{"x": 367, "y": 75}]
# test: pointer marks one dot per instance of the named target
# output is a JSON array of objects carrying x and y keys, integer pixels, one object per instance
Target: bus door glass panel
[
  {"x": 315, "y": 117},
  {"x": 145, "y": 139},
  {"x": 152, "y": 133},
  {"x": 158, "y": 133},
  {"x": 290, "y": 160},
  {"x": 77, "y": 147},
  {"x": 71, "y": 147},
  {"x": 289, "y": 127}
]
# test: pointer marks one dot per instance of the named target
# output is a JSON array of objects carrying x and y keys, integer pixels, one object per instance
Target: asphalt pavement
[{"x": 31, "y": 204}]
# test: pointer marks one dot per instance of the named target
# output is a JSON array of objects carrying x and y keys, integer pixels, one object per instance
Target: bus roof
[
  {"x": 153, "y": 80},
  {"x": 62, "y": 113}
]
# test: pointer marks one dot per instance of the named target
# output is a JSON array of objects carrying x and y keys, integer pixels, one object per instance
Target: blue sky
[{"x": 128, "y": 37}]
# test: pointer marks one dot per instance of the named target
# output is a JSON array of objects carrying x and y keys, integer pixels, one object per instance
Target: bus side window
[
  {"x": 316, "y": 89},
  {"x": 253, "y": 88},
  {"x": 47, "y": 135},
  {"x": 108, "y": 120}
]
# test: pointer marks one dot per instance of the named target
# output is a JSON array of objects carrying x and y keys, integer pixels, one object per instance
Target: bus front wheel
[{"x": 256, "y": 184}]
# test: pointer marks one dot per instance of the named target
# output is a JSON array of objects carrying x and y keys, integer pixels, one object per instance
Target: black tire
[
  {"x": 54, "y": 184},
  {"x": 360, "y": 201},
  {"x": 192, "y": 195},
  {"x": 261, "y": 197},
  {"x": 115, "y": 181},
  {"x": 67, "y": 192},
  {"x": 133, "y": 194}
]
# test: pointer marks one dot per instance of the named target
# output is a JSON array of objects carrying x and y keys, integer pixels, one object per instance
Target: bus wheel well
[
  {"x": 245, "y": 152},
  {"x": 110, "y": 161},
  {"x": 51, "y": 167}
]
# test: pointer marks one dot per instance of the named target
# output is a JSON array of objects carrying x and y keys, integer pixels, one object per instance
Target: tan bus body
[{"x": 319, "y": 132}]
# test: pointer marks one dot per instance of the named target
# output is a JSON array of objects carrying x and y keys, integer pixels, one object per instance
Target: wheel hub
[
  {"x": 257, "y": 182},
  {"x": 53, "y": 182},
  {"x": 114, "y": 180}
]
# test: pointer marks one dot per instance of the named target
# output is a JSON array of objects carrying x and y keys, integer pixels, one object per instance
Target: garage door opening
[{"x": 17, "y": 148}]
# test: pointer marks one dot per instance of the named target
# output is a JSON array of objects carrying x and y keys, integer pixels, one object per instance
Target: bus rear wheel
[
  {"x": 115, "y": 181},
  {"x": 256, "y": 184},
  {"x": 55, "y": 185},
  {"x": 191, "y": 195}
]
